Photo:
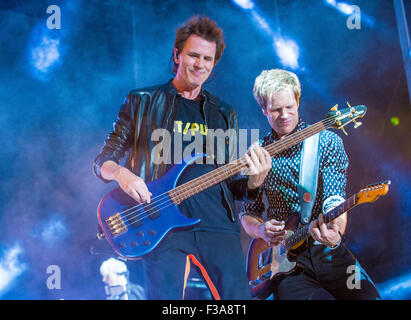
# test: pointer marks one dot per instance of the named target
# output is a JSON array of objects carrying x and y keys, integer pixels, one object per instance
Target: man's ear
[
  {"x": 264, "y": 111},
  {"x": 175, "y": 55}
]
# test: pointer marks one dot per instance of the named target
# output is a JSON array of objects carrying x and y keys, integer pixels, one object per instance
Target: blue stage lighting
[
  {"x": 348, "y": 9},
  {"x": 245, "y": 4},
  {"x": 396, "y": 289},
  {"x": 287, "y": 51},
  {"x": 45, "y": 54},
  {"x": 53, "y": 230},
  {"x": 262, "y": 23},
  {"x": 10, "y": 267},
  {"x": 345, "y": 8}
]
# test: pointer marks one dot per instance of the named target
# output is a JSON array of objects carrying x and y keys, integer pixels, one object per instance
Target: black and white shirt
[{"x": 280, "y": 185}]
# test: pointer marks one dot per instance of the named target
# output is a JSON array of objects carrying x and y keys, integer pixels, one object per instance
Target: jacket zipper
[{"x": 154, "y": 177}]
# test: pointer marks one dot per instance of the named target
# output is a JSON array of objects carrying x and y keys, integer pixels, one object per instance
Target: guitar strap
[{"x": 308, "y": 178}]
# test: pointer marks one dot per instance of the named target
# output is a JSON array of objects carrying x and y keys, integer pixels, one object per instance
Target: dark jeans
[
  {"x": 219, "y": 253},
  {"x": 333, "y": 270}
]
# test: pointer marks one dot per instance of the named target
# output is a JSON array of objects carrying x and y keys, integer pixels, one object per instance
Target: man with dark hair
[
  {"x": 184, "y": 108},
  {"x": 204, "y": 28}
]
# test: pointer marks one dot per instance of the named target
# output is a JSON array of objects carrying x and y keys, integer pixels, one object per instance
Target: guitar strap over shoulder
[{"x": 308, "y": 178}]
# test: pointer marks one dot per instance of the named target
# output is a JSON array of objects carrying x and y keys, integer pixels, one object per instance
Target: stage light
[
  {"x": 45, "y": 54},
  {"x": 287, "y": 51},
  {"x": 245, "y": 4},
  {"x": 348, "y": 9},
  {"x": 331, "y": 2},
  {"x": 262, "y": 23},
  {"x": 10, "y": 267},
  {"x": 345, "y": 8},
  {"x": 53, "y": 230},
  {"x": 395, "y": 121}
]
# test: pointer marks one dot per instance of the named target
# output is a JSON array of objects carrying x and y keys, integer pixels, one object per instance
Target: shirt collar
[{"x": 300, "y": 125}]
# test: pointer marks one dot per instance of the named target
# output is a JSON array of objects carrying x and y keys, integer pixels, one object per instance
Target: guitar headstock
[
  {"x": 343, "y": 117},
  {"x": 373, "y": 192}
]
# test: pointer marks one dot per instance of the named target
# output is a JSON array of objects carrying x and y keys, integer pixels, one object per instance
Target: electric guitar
[
  {"x": 134, "y": 229},
  {"x": 267, "y": 266}
]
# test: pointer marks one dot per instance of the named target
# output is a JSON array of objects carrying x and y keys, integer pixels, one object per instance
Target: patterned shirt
[{"x": 280, "y": 185}]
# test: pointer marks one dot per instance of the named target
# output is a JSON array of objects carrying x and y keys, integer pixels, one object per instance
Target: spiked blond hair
[{"x": 272, "y": 81}]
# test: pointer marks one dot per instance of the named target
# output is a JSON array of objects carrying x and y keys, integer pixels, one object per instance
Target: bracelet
[{"x": 336, "y": 246}]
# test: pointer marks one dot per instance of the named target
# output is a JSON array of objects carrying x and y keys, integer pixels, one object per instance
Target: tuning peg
[
  {"x": 351, "y": 108},
  {"x": 342, "y": 128},
  {"x": 335, "y": 108},
  {"x": 356, "y": 124},
  {"x": 388, "y": 182}
]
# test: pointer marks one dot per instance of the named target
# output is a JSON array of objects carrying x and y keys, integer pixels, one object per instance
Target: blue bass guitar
[{"x": 134, "y": 229}]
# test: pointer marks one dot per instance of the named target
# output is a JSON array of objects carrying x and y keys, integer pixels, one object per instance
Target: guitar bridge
[
  {"x": 260, "y": 279},
  {"x": 115, "y": 224}
]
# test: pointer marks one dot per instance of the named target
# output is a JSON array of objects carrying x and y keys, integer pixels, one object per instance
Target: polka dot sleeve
[
  {"x": 333, "y": 167},
  {"x": 254, "y": 208}
]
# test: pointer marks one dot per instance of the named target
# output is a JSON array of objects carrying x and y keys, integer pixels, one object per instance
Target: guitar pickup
[
  {"x": 135, "y": 221},
  {"x": 265, "y": 258},
  {"x": 151, "y": 211}
]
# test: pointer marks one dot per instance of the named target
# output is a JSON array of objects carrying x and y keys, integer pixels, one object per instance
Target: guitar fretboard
[
  {"x": 195, "y": 186},
  {"x": 303, "y": 233}
]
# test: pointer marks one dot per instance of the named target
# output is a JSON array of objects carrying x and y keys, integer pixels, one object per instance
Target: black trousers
[
  {"x": 219, "y": 253},
  {"x": 337, "y": 271}
]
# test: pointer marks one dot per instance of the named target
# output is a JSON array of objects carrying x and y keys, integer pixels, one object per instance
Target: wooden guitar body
[
  {"x": 267, "y": 266},
  {"x": 273, "y": 263}
]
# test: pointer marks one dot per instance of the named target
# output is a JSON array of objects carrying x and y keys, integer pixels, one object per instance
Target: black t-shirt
[{"x": 208, "y": 205}]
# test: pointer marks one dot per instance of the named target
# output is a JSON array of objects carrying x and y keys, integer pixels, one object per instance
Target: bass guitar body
[{"x": 133, "y": 229}]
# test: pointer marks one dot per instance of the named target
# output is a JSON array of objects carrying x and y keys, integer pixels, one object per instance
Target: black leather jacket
[{"x": 148, "y": 109}]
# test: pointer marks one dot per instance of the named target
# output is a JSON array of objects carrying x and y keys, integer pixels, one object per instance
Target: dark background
[{"x": 55, "y": 116}]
